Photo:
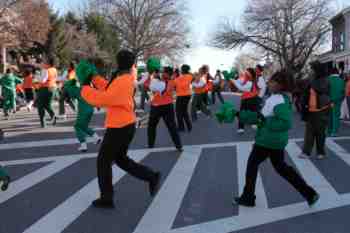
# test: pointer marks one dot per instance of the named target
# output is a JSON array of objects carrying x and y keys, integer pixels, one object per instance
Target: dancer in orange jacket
[{"x": 117, "y": 98}]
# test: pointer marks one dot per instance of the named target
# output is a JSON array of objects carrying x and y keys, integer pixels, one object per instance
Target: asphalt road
[{"x": 53, "y": 184}]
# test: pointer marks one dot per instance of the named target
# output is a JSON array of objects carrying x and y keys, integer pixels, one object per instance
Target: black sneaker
[
  {"x": 103, "y": 204},
  {"x": 6, "y": 182},
  {"x": 244, "y": 202},
  {"x": 179, "y": 149},
  {"x": 154, "y": 184},
  {"x": 54, "y": 120},
  {"x": 313, "y": 200}
]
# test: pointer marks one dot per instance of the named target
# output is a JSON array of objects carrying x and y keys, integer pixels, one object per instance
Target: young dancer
[
  {"x": 85, "y": 110},
  {"x": 217, "y": 87},
  {"x": 198, "y": 101},
  {"x": 248, "y": 85},
  {"x": 46, "y": 93},
  {"x": 28, "y": 89},
  {"x": 337, "y": 93},
  {"x": 183, "y": 97},
  {"x": 274, "y": 122},
  {"x": 117, "y": 98},
  {"x": 162, "y": 107},
  {"x": 8, "y": 83}
]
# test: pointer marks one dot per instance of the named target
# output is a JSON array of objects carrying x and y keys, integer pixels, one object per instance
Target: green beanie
[{"x": 85, "y": 70}]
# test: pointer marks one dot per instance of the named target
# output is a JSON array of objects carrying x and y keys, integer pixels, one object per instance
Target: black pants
[
  {"x": 114, "y": 149},
  {"x": 260, "y": 154},
  {"x": 167, "y": 113},
  {"x": 44, "y": 103},
  {"x": 198, "y": 103},
  {"x": 251, "y": 104},
  {"x": 216, "y": 91},
  {"x": 144, "y": 97},
  {"x": 315, "y": 131},
  {"x": 64, "y": 97},
  {"x": 182, "y": 113}
]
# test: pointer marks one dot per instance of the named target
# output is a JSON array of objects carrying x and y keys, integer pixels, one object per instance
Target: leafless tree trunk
[
  {"x": 148, "y": 27},
  {"x": 289, "y": 30}
]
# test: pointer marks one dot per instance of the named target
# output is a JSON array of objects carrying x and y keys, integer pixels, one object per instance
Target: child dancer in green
[
  {"x": 273, "y": 122},
  {"x": 85, "y": 110},
  {"x": 8, "y": 83}
]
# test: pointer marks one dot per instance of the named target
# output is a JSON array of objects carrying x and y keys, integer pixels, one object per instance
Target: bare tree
[
  {"x": 287, "y": 30},
  {"x": 148, "y": 27}
]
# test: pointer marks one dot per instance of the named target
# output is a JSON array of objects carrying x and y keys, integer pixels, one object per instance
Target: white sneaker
[
  {"x": 63, "y": 117},
  {"x": 240, "y": 131},
  {"x": 83, "y": 147},
  {"x": 321, "y": 156},
  {"x": 303, "y": 156},
  {"x": 97, "y": 139},
  {"x": 255, "y": 127}
]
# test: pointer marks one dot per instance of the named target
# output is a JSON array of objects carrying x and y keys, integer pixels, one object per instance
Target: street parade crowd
[{"x": 177, "y": 95}]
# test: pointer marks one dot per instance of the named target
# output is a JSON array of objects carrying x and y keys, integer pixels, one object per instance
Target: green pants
[
  {"x": 9, "y": 100},
  {"x": 334, "y": 119},
  {"x": 81, "y": 126},
  {"x": 44, "y": 103}
]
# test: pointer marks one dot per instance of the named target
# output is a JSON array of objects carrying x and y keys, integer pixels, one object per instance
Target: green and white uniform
[{"x": 8, "y": 83}]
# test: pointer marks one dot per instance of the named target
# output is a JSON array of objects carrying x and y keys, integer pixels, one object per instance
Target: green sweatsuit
[
  {"x": 272, "y": 130},
  {"x": 85, "y": 112},
  {"x": 8, "y": 83},
  {"x": 337, "y": 94}
]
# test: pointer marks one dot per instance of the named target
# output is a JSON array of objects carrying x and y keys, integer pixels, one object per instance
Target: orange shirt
[
  {"x": 183, "y": 85},
  {"x": 117, "y": 99},
  {"x": 28, "y": 82},
  {"x": 165, "y": 98},
  {"x": 52, "y": 78}
]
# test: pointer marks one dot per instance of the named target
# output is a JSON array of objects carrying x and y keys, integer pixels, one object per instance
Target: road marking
[
  {"x": 243, "y": 152},
  {"x": 161, "y": 214},
  {"x": 310, "y": 173},
  {"x": 36, "y": 177},
  {"x": 63, "y": 215},
  {"x": 338, "y": 150}
]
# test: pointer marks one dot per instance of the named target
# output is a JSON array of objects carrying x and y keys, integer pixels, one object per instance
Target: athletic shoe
[
  {"x": 321, "y": 156},
  {"x": 83, "y": 147},
  {"x": 255, "y": 127},
  {"x": 240, "y": 131},
  {"x": 244, "y": 201},
  {"x": 103, "y": 204},
  {"x": 97, "y": 139},
  {"x": 313, "y": 200},
  {"x": 5, "y": 183}
]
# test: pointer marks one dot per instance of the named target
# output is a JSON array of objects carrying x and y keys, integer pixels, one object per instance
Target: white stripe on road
[
  {"x": 36, "y": 177},
  {"x": 338, "y": 150},
  {"x": 68, "y": 211},
  {"x": 243, "y": 152},
  {"x": 258, "y": 218},
  {"x": 310, "y": 173},
  {"x": 161, "y": 214}
]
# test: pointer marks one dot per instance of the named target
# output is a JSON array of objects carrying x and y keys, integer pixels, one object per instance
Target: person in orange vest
[
  {"x": 28, "y": 89},
  {"x": 248, "y": 85},
  {"x": 46, "y": 92},
  {"x": 117, "y": 97},
  {"x": 162, "y": 107},
  {"x": 183, "y": 97},
  {"x": 198, "y": 101}
]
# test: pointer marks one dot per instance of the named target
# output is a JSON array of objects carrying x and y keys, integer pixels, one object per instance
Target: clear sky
[{"x": 204, "y": 14}]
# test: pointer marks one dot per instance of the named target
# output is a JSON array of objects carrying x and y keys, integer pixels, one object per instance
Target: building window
[{"x": 342, "y": 41}]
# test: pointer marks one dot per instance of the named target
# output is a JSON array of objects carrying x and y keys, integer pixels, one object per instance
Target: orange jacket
[
  {"x": 28, "y": 82},
  {"x": 183, "y": 85},
  {"x": 165, "y": 98},
  {"x": 117, "y": 98},
  {"x": 52, "y": 78}
]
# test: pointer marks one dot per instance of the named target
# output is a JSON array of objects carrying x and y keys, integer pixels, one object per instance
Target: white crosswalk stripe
[{"x": 162, "y": 212}]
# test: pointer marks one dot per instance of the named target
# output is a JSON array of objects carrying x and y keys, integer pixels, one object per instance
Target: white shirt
[
  {"x": 157, "y": 85},
  {"x": 244, "y": 87},
  {"x": 271, "y": 103},
  {"x": 262, "y": 86},
  {"x": 143, "y": 79},
  {"x": 201, "y": 83}
]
